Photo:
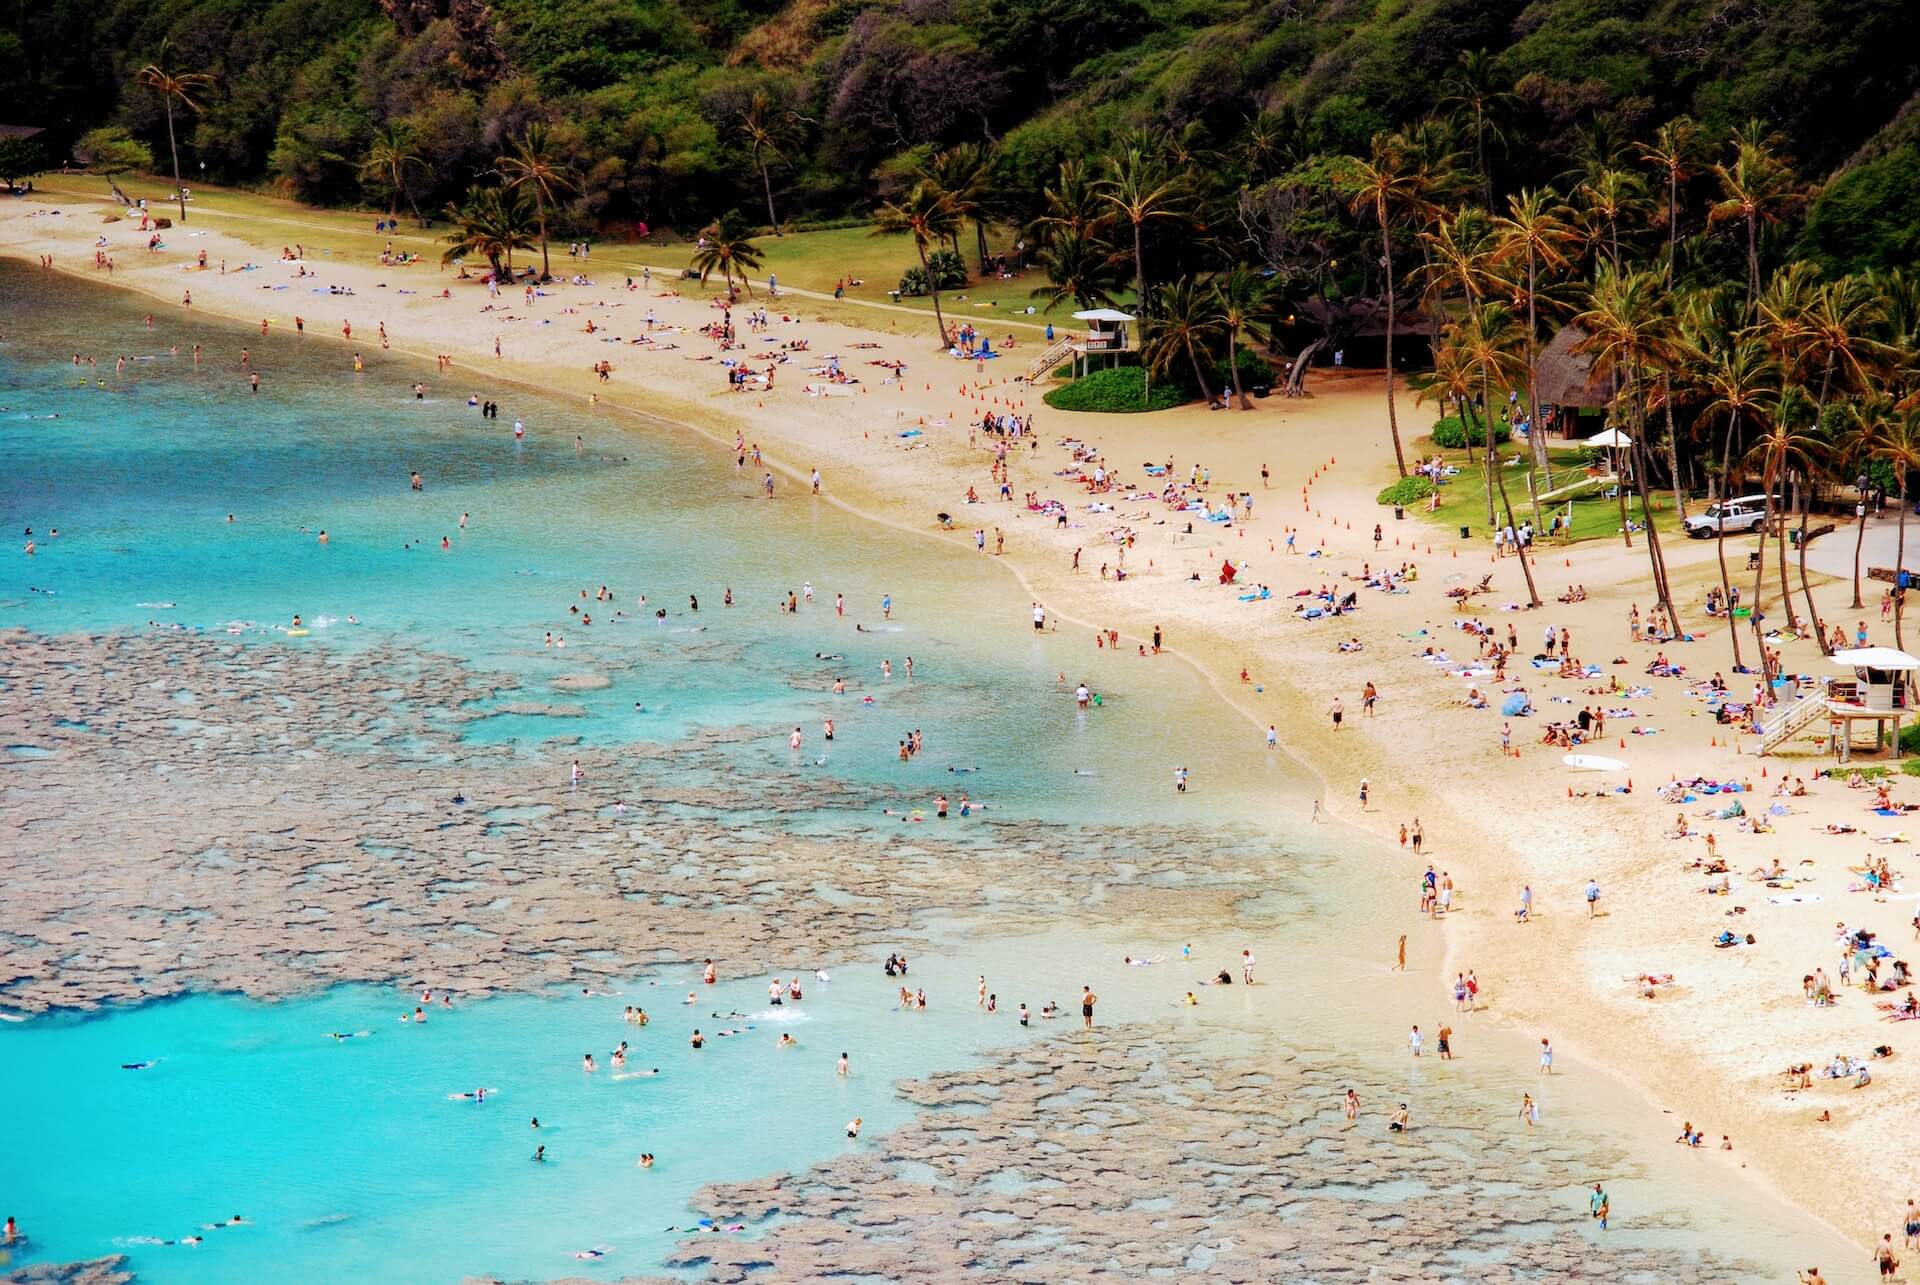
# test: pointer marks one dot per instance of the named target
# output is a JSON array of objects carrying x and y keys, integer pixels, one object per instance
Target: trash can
[
  {"x": 1466, "y": 533},
  {"x": 1399, "y": 513},
  {"x": 1261, "y": 390}
]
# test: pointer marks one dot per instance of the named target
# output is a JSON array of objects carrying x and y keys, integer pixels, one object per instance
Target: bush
[
  {"x": 1253, "y": 370},
  {"x": 949, "y": 269},
  {"x": 1408, "y": 490},
  {"x": 949, "y": 272},
  {"x": 1118, "y": 390},
  {"x": 1453, "y": 434}
]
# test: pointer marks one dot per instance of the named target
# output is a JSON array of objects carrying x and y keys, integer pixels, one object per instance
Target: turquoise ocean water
[{"x": 348, "y": 1157}]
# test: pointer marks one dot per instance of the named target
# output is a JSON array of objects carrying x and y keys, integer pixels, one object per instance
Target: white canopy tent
[{"x": 1612, "y": 439}]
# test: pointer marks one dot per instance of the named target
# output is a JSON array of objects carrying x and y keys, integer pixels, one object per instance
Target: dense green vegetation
[
  {"x": 1716, "y": 194},
  {"x": 675, "y": 110},
  {"x": 1452, "y": 433},
  {"x": 1122, "y": 389}
]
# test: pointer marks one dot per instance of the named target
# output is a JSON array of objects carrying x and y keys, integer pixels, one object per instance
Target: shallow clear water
[
  {"x": 351, "y": 1162},
  {"x": 141, "y": 469},
  {"x": 347, "y": 1156}
]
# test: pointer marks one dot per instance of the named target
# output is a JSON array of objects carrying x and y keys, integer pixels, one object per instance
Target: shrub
[
  {"x": 1408, "y": 490},
  {"x": 949, "y": 269},
  {"x": 1253, "y": 370},
  {"x": 1453, "y": 434},
  {"x": 1117, "y": 390}
]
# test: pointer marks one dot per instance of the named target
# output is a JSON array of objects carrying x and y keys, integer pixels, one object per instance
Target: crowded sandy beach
[{"x": 1658, "y": 919}]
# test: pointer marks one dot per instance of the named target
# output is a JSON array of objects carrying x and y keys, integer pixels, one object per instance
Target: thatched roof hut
[{"x": 1565, "y": 377}]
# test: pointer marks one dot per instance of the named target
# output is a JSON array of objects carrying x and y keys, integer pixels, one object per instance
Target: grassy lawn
[
  {"x": 803, "y": 261},
  {"x": 1463, "y": 500}
]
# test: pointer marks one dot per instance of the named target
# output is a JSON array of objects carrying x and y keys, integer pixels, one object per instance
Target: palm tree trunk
[
  {"x": 1806, "y": 591},
  {"x": 1139, "y": 273},
  {"x": 980, "y": 244},
  {"x": 1536, "y": 440},
  {"x": 540, "y": 201},
  {"x": 180, "y": 193},
  {"x": 1753, "y": 263},
  {"x": 1526, "y": 567},
  {"x": 766, "y": 182},
  {"x": 1206, "y": 393},
  {"x": 1760, "y": 573},
  {"x": 1859, "y": 538},
  {"x": 1899, "y": 561},
  {"x": 1786, "y": 592},
  {"x": 1720, "y": 541},
  {"x": 1233, "y": 367},
  {"x": 933, "y": 290},
  {"x": 1620, "y": 493},
  {"x": 1480, "y": 155},
  {"x": 1673, "y": 446},
  {"x": 1393, "y": 422}
]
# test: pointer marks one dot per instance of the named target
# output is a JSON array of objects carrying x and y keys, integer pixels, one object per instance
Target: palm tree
[
  {"x": 1534, "y": 232},
  {"x": 766, "y": 128},
  {"x": 176, "y": 88},
  {"x": 1137, "y": 190},
  {"x": 1671, "y": 153},
  {"x": 1384, "y": 187},
  {"x": 1244, "y": 299},
  {"x": 1629, "y": 326},
  {"x": 390, "y": 154},
  {"x": 727, "y": 244},
  {"x": 926, "y": 214},
  {"x": 1073, "y": 203},
  {"x": 1755, "y": 189},
  {"x": 1079, "y": 269},
  {"x": 1862, "y": 442},
  {"x": 1900, "y": 447},
  {"x": 1838, "y": 333},
  {"x": 1185, "y": 323},
  {"x": 965, "y": 173},
  {"x": 1781, "y": 449},
  {"x": 532, "y": 162},
  {"x": 494, "y": 223},
  {"x": 1671, "y": 156},
  {"x": 1487, "y": 338},
  {"x": 1739, "y": 377},
  {"x": 1608, "y": 197},
  {"x": 1472, "y": 91}
]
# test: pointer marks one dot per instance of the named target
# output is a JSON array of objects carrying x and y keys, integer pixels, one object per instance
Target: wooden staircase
[
  {"x": 1788, "y": 722},
  {"x": 1047, "y": 360}
]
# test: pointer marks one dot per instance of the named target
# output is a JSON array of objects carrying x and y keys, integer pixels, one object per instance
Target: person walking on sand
[
  {"x": 1599, "y": 1206},
  {"x": 1525, "y": 913},
  {"x": 1546, "y": 1057},
  {"x": 1593, "y": 896},
  {"x": 1400, "y": 962},
  {"x": 1415, "y": 1040},
  {"x": 1529, "y": 1110},
  {"x": 1336, "y": 711}
]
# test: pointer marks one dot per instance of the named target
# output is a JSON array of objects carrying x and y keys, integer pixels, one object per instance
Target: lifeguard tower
[
  {"x": 1106, "y": 332},
  {"x": 1882, "y": 691}
]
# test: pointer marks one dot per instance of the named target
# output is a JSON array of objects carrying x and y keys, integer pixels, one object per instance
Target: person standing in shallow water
[{"x": 1087, "y": 1000}]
